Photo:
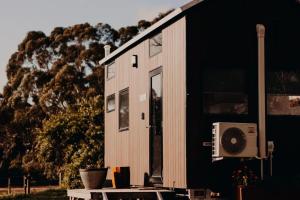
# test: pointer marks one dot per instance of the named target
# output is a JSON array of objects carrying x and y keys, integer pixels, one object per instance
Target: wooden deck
[{"x": 132, "y": 193}]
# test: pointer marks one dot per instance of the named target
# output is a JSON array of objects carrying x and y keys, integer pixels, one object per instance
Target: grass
[{"x": 48, "y": 194}]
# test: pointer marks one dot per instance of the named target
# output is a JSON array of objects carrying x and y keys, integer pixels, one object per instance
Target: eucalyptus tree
[{"x": 47, "y": 78}]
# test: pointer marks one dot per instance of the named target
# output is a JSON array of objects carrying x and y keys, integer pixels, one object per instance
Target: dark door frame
[{"x": 155, "y": 179}]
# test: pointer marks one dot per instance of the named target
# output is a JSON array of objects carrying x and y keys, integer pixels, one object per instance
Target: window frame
[
  {"x": 122, "y": 92},
  {"x": 107, "y": 66},
  {"x": 155, "y": 35},
  {"x": 107, "y": 99}
]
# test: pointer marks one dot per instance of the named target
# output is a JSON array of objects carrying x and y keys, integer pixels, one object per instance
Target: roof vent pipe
[{"x": 107, "y": 50}]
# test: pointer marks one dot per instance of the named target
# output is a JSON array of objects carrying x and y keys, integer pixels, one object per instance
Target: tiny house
[{"x": 199, "y": 65}]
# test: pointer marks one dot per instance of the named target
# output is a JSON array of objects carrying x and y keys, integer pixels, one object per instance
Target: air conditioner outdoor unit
[{"x": 234, "y": 139}]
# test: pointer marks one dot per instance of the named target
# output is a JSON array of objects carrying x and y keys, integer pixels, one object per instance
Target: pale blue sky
[{"x": 17, "y": 17}]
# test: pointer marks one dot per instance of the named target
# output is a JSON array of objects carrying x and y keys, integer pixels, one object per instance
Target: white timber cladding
[{"x": 131, "y": 147}]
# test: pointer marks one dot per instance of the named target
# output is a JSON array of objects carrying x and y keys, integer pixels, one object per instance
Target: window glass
[
  {"x": 156, "y": 104},
  {"x": 283, "y": 92},
  {"x": 110, "y": 70},
  {"x": 225, "y": 91},
  {"x": 110, "y": 103},
  {"x": 155, "y": 44},
  {"x": 124, "y": 109}
]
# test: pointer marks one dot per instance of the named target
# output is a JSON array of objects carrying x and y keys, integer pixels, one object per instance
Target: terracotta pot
[{"x": 93, "y": 178}]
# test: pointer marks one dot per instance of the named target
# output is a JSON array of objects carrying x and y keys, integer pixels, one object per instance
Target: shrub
[{"x": 71, "y": 140}]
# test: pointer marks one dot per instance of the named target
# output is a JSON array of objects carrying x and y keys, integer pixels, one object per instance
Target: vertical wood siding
[
  {"x": 110, "y": 124},
  {"x": 174, "y": 101},
  {"x": 131, "y": 148}
]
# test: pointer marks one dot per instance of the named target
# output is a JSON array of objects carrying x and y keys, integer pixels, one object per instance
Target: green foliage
[
  {"x": 126, "y": 33},
  {"x": 71, "y": 140},
  {"x": 161, "y": 15},
  {"x": 47, "y": 75}
]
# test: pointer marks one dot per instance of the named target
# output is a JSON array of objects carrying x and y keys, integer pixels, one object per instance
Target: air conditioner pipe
[{"x": 260, "y": 29}]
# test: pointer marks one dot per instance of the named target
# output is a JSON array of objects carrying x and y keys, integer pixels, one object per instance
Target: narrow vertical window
[
  {"x": 110, "y": 70},
  {"x": 110, "y": 103},
  {"x": 155, "y": 44},
  {"x": 124, "y": 109}
]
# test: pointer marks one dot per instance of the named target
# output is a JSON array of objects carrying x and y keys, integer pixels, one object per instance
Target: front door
[{"x": 156, "y": 131}]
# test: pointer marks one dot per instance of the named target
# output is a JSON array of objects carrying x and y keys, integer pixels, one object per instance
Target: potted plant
[
  {"x": 93, "y": 176},
  {"x": 244, "y": 179}
]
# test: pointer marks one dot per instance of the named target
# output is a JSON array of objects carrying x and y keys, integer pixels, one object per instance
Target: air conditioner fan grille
[{"x": 233, "y": 140}]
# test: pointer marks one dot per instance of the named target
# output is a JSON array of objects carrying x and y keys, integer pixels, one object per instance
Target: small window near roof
[
  {"x": 110, "y": 103},
  {"x": 155, "y": 44},
  {"x": 110, "y": 70},
  {"x": 124, "y": 109}
]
